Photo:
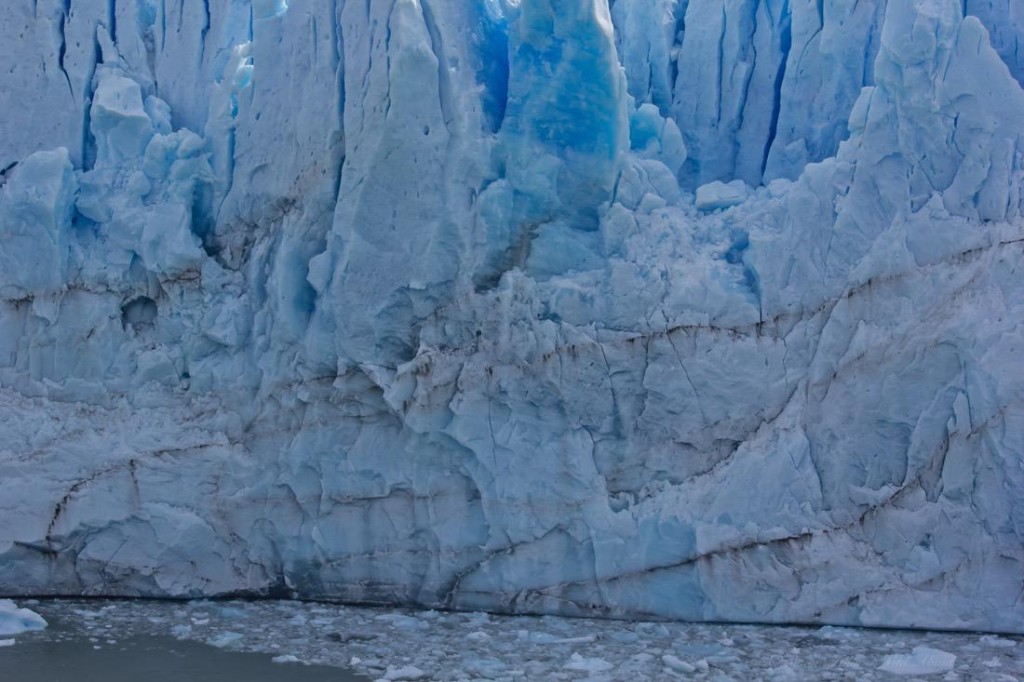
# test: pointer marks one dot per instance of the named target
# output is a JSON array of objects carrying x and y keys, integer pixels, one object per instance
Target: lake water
[{"x": 60, "y": 655}]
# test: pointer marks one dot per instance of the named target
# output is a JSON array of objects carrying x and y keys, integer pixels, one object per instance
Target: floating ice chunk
[
  {"x": 585, "y": 639},
  {"x": 489, "y": 668},
  {"x": 286, "y": 658},
  {"x": 997, "y": 642},
  {"x": 231, "y": 612},
  {"x": 587, "y": 665},
  {"x": 408, "y": 672},
  {"x": 716, "y": 195},
  {"x": 402, "y": 621},
  {"x": 677, "y": 664},
  {"x": 14, "y": 620},
  {"x": 181, "y": 631},
  {"x": 716, "y": 653},
  {"x": 836, "y": 633},
  {"x": 922, "y": 661},
  {"x": 225, "y": 639},
  {"x": 6, "y": 642},
  {"x": 540, "y": 637}
]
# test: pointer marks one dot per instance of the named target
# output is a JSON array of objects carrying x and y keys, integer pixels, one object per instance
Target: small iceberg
[{"x": 14, "y": 621}]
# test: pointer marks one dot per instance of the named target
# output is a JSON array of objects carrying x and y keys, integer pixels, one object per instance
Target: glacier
[{"x": 695, "y": 309}]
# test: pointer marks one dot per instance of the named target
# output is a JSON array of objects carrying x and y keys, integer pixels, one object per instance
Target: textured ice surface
[
  {"x": 426, "y": 301},
  {"x": 15, "y": 620}
]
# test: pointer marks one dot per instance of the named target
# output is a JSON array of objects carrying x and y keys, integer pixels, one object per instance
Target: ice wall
[{"x": 433, "y": 302}]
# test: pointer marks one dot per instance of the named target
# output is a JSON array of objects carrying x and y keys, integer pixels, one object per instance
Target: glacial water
[{"x": 64, "y": 653}]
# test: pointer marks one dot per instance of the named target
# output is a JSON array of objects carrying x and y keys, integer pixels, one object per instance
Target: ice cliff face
[{"x": 706, "y": 309}]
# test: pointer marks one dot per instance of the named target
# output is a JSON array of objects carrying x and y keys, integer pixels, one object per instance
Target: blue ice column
[{"x": 565, "y": 132}]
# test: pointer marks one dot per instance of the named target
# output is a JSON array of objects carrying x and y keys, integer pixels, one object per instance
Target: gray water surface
[{"x": 56, "y": 655}]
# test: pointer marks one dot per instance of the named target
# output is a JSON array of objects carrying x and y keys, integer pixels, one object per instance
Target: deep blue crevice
[
  {"x": 677, "y": 41},
  {"x": 785, "y": 45},
  {"x": 88, "y": 143},
  {"x": 163, "y": 24},
  {"x": 112, "y": 19},
  {"x": 735, "y": 256},
  {"x": 304, "y": 299},
  {"x": 62, "y": 51},
  {"x": 203, "y": 219},
  {"x": 493, "y": 72},
  {"x": 204, "y": 31},
  {"x": 720, "y": 65}
]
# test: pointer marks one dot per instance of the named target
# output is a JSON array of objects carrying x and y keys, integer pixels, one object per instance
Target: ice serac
[
  {"x": 706, "y": 310},
  {"x": 394, "y": 261},
  {"x": 38, "y": 196}
]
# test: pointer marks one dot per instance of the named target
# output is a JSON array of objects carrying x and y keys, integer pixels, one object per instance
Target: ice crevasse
[{"x": 692, "y": 309}]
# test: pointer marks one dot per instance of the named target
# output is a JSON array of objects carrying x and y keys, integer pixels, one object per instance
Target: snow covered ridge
[{"x": 413, "y": 302}]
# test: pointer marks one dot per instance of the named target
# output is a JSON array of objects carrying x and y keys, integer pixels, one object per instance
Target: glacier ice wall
[{"x": 696, "y": 309}]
